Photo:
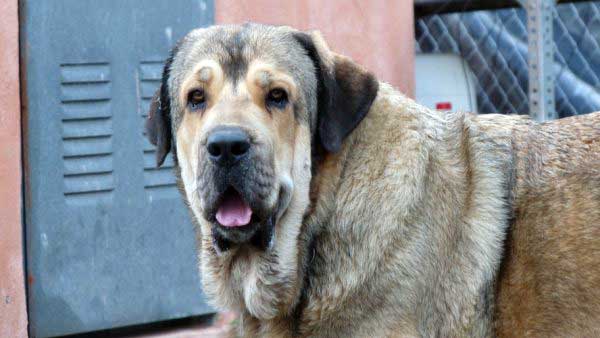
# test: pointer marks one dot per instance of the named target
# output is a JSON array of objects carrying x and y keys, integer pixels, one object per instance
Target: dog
[{"x": 328, "y": 204}]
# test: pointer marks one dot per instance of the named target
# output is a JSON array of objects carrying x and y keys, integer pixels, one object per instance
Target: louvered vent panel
[
  {"x": 86, "y": 132},
  {"x": 159, "y": 180}
]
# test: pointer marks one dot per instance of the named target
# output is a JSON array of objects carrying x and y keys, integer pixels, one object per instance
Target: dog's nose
[{"x": 227, "y": 145}]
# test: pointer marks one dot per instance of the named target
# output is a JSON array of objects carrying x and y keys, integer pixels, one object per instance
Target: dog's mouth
[
  {"x": 233, "y": 210},
  {"x": 239, "y": 222},
  {"x": 241, "y": 218}
]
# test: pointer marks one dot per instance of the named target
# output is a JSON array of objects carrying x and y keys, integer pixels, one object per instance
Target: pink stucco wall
[
  {"x": 376, "y": 33},
  {"x": 13, "y": 315}
]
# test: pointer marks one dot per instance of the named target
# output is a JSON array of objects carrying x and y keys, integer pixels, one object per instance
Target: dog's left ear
[
  {"x": 158, "y": 124},
  {"x": 345, "y": 94}
]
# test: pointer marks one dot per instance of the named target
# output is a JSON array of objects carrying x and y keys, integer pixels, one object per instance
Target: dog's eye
[
  {"x": 196, "y": 99},
  {"x": 277, "y": 98}
]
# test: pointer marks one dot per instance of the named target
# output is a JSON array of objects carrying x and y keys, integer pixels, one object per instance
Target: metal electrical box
[
  {"x": 445, "y": 82},
  {"x": 109, "y": 241}
]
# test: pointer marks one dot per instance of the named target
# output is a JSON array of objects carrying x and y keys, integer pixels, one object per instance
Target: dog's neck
[{"x": 327, "y": 171}]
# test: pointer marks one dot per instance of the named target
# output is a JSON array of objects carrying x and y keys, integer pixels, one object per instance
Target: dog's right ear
[
  {"x": 158, "y": 124},
  {"x": 158, "y": 128}
]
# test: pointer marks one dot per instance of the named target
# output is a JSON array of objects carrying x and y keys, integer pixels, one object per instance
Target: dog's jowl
[{"x": 329, "y": 204}]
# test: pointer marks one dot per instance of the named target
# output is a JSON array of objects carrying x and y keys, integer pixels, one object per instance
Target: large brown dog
[{"x": 329, "y": 204}]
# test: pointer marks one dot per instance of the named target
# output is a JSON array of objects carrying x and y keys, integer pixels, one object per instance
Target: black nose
[{"x": 227, "y": 145}]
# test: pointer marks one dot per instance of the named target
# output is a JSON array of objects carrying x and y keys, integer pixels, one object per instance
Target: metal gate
[
  {"x": 109, "y": 242},
  {"x": 494, "y": 44}
]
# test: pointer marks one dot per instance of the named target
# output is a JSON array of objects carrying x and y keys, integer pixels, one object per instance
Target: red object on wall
[{"x": 443, "y": 106}]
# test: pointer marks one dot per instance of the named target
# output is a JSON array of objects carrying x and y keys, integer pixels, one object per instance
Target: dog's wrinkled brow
[
  {"x": 205, "y": 74},
  {"x": 263, "y": 78},
  {"x": 233, "y": 61}
]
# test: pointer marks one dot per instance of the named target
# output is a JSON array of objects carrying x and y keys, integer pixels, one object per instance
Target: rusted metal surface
[{"x": 13, "y": 315}]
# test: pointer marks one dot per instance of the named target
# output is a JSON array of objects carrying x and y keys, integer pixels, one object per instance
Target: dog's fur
[{"x": 390, "y": 219}]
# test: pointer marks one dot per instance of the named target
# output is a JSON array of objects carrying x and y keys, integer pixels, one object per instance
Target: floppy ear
[
  {"x": 345, "y": 91},
  {"x": 158, "y": 129},
  {"x": 158, "y": 124}
]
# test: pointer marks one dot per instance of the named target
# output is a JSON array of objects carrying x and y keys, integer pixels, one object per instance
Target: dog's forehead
[{"x": 235, "y": 47}]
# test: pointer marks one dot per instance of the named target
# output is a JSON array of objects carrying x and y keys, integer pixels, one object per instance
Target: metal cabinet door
[{"x": 109, "y": 242}]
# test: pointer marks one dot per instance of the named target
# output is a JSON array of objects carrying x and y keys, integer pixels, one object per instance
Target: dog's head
[{"x": 246, "y": 108}]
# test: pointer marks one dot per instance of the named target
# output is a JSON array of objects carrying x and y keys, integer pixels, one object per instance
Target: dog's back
[{"x": 549, "y": 282}]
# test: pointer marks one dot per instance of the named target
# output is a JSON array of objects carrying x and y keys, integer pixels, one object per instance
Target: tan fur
[
  {"x": 423, "y": 224},
  {"x": 550, "y": 279}
]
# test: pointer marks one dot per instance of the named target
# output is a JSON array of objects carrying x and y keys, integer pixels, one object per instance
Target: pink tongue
[{"x": 233, "y": 212}]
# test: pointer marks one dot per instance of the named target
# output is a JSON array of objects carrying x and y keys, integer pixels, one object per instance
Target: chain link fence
[{"x": 494, "y": 44}]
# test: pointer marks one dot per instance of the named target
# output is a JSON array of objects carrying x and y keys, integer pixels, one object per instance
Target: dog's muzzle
[{"x": 241, "y": 183}]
